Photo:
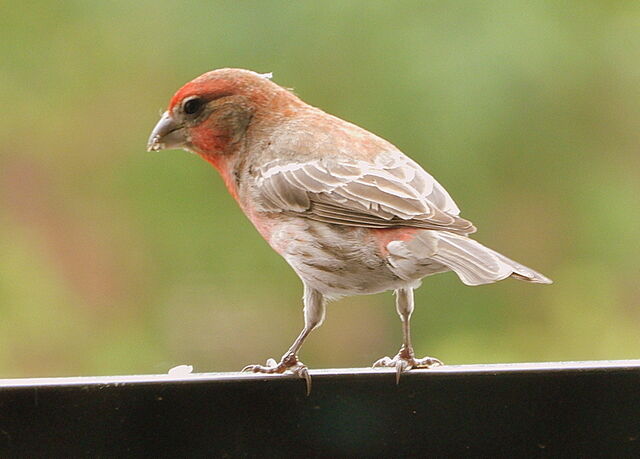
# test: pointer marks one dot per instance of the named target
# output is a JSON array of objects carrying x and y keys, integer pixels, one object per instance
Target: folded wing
[{"x": 392, "y": 192}]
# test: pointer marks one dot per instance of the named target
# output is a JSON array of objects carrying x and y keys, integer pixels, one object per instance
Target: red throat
[{"x": 206, "y": 139}]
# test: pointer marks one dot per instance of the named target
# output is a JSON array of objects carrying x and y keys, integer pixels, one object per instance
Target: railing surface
[{"x": 569, "y": 409}]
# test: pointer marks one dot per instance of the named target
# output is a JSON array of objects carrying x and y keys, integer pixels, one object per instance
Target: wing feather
[{"x": 394, "y": 192}]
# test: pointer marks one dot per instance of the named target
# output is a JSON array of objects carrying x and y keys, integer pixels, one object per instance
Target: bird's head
[{"x": 212, "y": 113}]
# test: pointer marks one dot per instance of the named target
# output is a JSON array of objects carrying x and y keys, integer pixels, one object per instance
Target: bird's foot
[
  {"x": 288, "y": 363},
  {"x": 404, "y": 361}
]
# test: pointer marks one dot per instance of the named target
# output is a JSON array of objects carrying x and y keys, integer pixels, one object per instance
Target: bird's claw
[
  {"x": 289, "y": 363},
  {"x": 405, "y": 361}
]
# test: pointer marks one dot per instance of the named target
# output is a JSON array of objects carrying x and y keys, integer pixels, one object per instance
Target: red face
[{"x": 210, "y": 114}]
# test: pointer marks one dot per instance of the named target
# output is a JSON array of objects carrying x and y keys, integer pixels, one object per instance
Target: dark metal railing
[{"x": 569, "y": 409}]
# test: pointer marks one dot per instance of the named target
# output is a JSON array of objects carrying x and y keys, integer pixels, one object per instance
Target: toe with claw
[
  {"x": 404, "y": 361},
  {"x": 288, "y": 363}
]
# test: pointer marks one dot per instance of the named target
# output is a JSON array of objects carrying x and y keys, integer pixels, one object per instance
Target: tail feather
[
  {"x": 476, "y": 264},
  {"x": 522, "y": 272}
]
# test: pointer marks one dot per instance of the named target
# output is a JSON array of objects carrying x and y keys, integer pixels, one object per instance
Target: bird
[{"x": 346, "y": 209}]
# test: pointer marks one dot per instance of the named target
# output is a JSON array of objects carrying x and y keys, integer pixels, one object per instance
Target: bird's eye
[{"x": 193, "y": 105}]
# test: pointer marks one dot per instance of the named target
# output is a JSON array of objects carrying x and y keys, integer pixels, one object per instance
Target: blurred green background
[{"x": 115, "y": 260}]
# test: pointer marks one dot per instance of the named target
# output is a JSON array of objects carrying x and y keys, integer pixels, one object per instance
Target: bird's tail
[{"x": 476, "y": 264}]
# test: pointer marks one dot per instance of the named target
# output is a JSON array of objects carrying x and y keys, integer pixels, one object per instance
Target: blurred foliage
[{"x": 114, "y": 260}]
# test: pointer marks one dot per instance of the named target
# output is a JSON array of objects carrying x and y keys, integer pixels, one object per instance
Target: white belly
[{"x": 341, "y": 260}]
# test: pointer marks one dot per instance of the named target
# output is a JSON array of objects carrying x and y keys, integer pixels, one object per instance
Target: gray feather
[
  {"x": 476, "y": 264},
  {"x": 395, "y": 192}
]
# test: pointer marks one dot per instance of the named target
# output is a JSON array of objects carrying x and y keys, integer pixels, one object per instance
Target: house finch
[{"x": 346, "y": 209}]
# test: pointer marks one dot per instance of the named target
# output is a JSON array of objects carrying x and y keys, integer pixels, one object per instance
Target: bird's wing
[{"x": 391, "y": 192}]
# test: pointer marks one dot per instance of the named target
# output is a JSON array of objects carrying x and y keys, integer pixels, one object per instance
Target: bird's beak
[{"x": 167, "y": 135}]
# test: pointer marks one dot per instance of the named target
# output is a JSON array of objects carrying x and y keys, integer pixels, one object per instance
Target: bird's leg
[
  {"x": 405, "y": 359},
  {"x": 314, "y": 310}
]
